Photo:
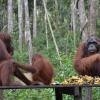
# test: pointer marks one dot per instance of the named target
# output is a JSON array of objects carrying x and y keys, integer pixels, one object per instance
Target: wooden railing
[{"x": 74, "y": 90}]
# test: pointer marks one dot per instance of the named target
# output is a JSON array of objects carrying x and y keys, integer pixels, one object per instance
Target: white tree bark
[
  {"x": 10, "y": 16},
  {"x": 34, "y": 19},
  {"x": 92, "y": 17},
  {"x": 27, "y": 30},
  {"x": 73, "y": 18},
  {"x": 20, "y": 22},
  {"x": 56, "y": 4},
  {"x": 83, "y": 20},
  {"x": 46, "y": 30}
]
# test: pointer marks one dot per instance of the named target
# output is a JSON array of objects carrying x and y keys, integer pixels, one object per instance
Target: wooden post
[
  {"x": 1, "y": 95},
  {"x": 77, "y": 93},
  {"x": 88, "y": 92},
  {"x": 58, "y": 94}
]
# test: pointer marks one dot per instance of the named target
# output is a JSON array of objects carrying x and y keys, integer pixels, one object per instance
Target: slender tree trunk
[
  {"x": 4, "y": 18},
  {"x": 73, "y": 18},
  {"x": 92, "y": 17},
  {"x": 83, "y": 20},
  {"x": 56, "y": 4},
  {"x": 46, "y": 31},
  {"x": 56, "y": 14},
  {"x": 20, "y": 22},
  {"x": 10, "y": 16},
  {"x": 34, "y": 20},
  {"x": 52, "y": 33},
  {"x": 27, "y": 30}
]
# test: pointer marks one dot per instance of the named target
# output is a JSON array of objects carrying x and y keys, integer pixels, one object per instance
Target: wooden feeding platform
[{"x": 74, "y": 90}]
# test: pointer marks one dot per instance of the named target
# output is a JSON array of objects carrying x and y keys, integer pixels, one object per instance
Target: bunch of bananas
[
  {"x": 74, "y": 80},
  {"x": 87, "y": 79},
  {"x": 97, "y": 80},
  {"x": 80, "y": 80}
]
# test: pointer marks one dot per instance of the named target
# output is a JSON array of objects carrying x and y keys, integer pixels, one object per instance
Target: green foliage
[
  {"x": 66, "y": 70},
  {"x": 98, "y": 27},
  {"x": 30, "y": 94},
  {"x": 19, "y": 55},
  {"x": 60, "y": 18},
  {"x": 96, "y": 93}
]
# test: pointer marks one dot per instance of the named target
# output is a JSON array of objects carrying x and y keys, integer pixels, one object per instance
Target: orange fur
[
  {"x": 41, "y": 69},
  {"x": 44, "y": 69},
  {"x": 83, "y": 64}
]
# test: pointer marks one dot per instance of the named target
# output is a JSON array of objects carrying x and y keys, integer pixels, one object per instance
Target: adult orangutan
[
  {"x": 7, "y": 39},
  {"x": 9, "y": 68},
  {"x": 87, "y": 59},
  {"x": 44, "y": 69}
]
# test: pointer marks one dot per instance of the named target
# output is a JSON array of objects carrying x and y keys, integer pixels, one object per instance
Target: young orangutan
[{"x": 44, "y": 69}]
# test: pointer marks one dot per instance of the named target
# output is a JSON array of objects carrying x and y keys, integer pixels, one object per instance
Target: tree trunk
[
  {"x": 92, "y": 17},
  {"x": 10, "y": 16},
  {"x": 27, "y": 30},
  {"x": 56, "y": 4},
  {"x": 46, "y": 31},
  {"x": 73, "y": 18},
  {"x": 20, "y": 22},
  {"x": 34, "y": 20},
  {"x": 83, "y": 20}
]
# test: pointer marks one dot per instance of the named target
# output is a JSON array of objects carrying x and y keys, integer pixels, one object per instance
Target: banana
[{"x": 81, "y": 80}]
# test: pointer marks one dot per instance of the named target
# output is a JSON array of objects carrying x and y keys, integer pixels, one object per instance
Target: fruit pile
[{"x": 81, "y": 80}]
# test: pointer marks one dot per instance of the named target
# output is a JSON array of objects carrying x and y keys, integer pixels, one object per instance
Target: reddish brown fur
[
  {"x": 6, "y": 71},
  {"x": 44, "y": 69},
  {"x": 8, "y": 67},
  {"x": 4, "y": 55},
  {"x": 87, "y": 65},
  {"x": 41, "y": 69},
  {"x": 7, "y": 39},
  {"x": 4, "y": 65}
]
